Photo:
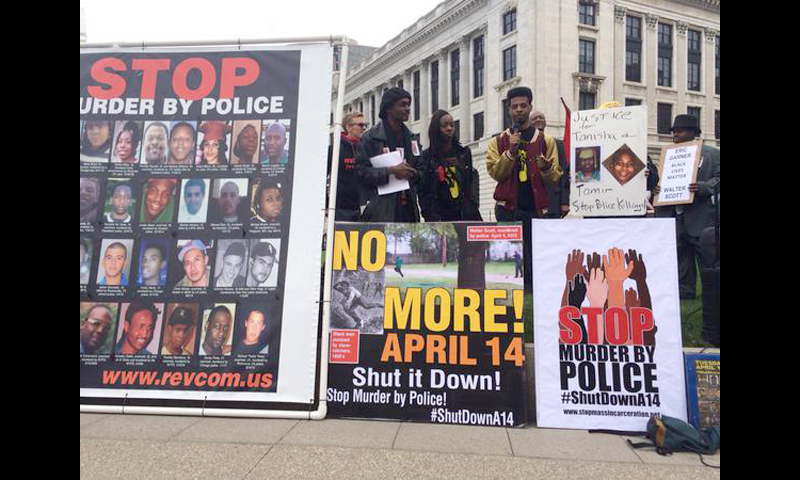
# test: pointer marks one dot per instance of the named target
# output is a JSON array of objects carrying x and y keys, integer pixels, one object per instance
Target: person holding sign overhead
[
  {"x": 691, "y": 219},
  {"x": 389, "y": 135}
]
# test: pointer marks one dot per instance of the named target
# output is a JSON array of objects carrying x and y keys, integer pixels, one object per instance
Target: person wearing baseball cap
[
  {"x": 390, "y": 134},
  {"x": 692, "y": 219},
  {"x": 194, "y": 258},
  {"x": 262, "y": 260},
  {"x": 179, "y": 332}
]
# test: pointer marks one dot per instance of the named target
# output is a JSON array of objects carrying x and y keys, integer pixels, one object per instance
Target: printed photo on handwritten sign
[
  {"x": 678, "y": 169},
  {"x": 609, "y": 155}
]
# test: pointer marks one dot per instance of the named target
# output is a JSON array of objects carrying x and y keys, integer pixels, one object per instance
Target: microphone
[{"x": 515, "y": 128}]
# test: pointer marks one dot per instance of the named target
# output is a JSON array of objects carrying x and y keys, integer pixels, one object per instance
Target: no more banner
[{"x": 427, "y": 323}]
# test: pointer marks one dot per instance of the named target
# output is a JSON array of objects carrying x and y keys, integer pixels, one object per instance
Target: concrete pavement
[{"x": 150, "y": 446}]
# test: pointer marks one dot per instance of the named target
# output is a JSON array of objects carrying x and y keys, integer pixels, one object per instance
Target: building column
[
  {"x": 619, "y": 54},
  {"x": 444, "y": 76},
  {"x": 465, "y": 46},
  {"x": 650, "y": 66},
  {"x": 424, "y": 100},
  {"x": 709, "y": 65},
  {"x": 682, "y": 65}
]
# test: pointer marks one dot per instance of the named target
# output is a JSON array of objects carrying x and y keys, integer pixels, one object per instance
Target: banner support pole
[{"x": 330, "y": 217}]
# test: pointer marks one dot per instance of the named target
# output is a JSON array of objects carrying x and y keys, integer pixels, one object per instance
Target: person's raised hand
[
  {"x": 616, "y": 269},
  {"x": 639, "y": 272},
  {"x": 597, "y": 290}
]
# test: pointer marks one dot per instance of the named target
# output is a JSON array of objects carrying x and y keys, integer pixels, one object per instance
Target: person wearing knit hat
[
  {"x": 390, "y": 134},
  {"x": 214, "y": 147}
]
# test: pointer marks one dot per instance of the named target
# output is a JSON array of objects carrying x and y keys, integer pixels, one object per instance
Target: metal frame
[{"x": 322, "y": 408}]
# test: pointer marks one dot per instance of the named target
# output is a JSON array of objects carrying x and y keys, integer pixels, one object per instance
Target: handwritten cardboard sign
[
  {"x": 677, "y": 169},
  {"x": 607, "y": 162}
]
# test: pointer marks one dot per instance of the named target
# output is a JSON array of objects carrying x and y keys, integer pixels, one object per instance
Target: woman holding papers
[{"x": 449, "y": 184}]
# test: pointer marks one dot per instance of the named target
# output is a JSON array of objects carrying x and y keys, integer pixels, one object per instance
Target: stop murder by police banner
[
  {"x": 202, "y": 189},
  {"x": 427, "y": 323},
  {"x": 607, "y": 323}
]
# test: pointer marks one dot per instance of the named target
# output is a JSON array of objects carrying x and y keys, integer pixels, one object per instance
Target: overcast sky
[{"x": 372, "y": 22}]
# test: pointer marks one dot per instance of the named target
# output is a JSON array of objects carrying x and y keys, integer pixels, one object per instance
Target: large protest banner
[
  {"x": 607, "y": 324},
  {"x": 427, "y": 323},
  {"x": 608, "y": 160},
  {"x": 202, "y": 189}
]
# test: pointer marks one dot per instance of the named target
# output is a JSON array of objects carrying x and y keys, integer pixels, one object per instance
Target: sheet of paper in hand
[{"x": 385, "y": 160}]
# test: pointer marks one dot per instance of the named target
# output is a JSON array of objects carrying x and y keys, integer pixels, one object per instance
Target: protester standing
[
  {"x": 348, "y": 198},
  {"x": 449, "y": 182},
  {"x": 692, "y": 219},
  {"x": 390, "y": 134},
  {"x": 522, "y": 160}
]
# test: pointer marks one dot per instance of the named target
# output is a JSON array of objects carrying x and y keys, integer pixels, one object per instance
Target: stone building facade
[{"x": 464, "y": 56}]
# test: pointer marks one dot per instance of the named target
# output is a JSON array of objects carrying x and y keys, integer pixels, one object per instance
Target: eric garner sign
[
  {"x": 608, "y": 159},
  {"x": 678, "y": 170}
]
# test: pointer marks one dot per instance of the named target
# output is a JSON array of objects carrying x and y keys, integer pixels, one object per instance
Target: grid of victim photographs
[
  {"x": 203, "y": 145},
  {"x": 182, "y": 215},
  {"x": 178, "y": 329}
]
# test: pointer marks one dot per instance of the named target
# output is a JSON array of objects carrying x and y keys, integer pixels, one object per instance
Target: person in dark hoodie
[
  {"x": 348, "y": 197},
  {"x": 388, "y": 135},
  {"x": 449, "y": 185}
]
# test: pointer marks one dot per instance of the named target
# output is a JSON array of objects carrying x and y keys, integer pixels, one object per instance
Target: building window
[
  {"x": 372, "y": 109},
  {"x": 477, "y": 67},
  {"x": 694, "y": 58},
  {"x": 664, "y": 120},
  {"x": 478, "y": 122},
  {"x": 400, "y": 84},
  {"x": 632, "y": 102},
  {"x": 455, "y": 77},
  {"x": 457, "y": 125},
  {"x": 716, "y": 124},
  {"x": 434, "y": 86},
  {"x": 361, "y": 106},
  {"x": 509, "y": 63},
  {"x": 696, "y": 112},
  {"x": 716, "y": 66},
  {"x": 633, "y": 49},
  {"x": 506, "y": 115},
  {"x": 587, "y": 12},
  {"x": 509, "y": 21},
  {"x": 586, "y": 101},
  {"x": 586, "y": 56},
  {"x": 664, "y": 55},
  {"x": 416, "y": 95}
]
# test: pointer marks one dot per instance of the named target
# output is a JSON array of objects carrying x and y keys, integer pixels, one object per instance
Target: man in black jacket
[
  {"x": 388, "y": 135},
  {"x": 348, "y": 198}
]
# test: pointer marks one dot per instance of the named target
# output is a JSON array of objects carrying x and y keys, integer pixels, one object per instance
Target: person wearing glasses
[{"x": 348, "y": 197}]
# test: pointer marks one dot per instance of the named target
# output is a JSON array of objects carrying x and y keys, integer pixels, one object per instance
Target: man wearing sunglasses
[{"x": 348, "y": 197}]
